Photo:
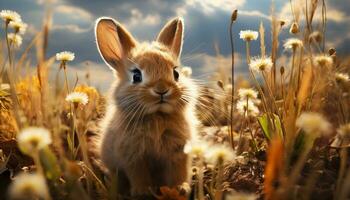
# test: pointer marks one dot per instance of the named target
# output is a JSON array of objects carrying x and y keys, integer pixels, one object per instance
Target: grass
[{"x": 295, "y": 147}]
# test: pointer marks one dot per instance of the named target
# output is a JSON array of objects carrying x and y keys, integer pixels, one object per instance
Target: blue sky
[{"x": 206, "y": 23}]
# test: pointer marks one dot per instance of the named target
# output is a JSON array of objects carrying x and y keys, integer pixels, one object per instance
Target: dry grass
[{"x": 271, "y": 154}]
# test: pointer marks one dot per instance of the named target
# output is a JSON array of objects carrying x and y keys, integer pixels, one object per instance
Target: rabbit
[{"x": 150, "y": 114}]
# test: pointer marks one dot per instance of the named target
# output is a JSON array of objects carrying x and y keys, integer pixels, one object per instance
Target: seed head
[
  {"x": 32, "y": 139},
  {"x": 248, "y": 35},
  {"x": 28, "y": 186},
  {"x": 313, "y": 123},
  {"x": 261, "y": 64},
  {"x": 9, "y": 15},
  {"x": 65, "y": 56}
]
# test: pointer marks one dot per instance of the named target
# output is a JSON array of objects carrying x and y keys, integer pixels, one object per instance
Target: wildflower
[
  {"x": 247, "y": 108},
  {"x": 28, "y": 186},
  {"x": 9, "y": 15},
  {"x": 219, "y": 154},
  {"x": 33, "y": 139},
  {"x": 78, "y": 98},
  {"x": 15, "y": 39},
  {"x": 261, "y": 64},
  {"x": 196, "y": 148},
  {"x": 294, "y": 28},
  {"x": 247, "y": 93},
  {"x": 248, "y": 35},
  {"x": 18, "y": 26},
  {"x": 340, "y": 77},
  {"x": 186, "y": 71},
  {"x": 323, "y": 61},
  {"x": 293, "y": 43},
  {"x": 65, "y": 56},
  {"x": 344, "y": 131},
  {"x": 241, "y": 196},
  {"x": 313, "y": 123}
]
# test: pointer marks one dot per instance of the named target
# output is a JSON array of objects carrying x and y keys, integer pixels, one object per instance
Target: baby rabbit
[{"x": 151, "y": 111}]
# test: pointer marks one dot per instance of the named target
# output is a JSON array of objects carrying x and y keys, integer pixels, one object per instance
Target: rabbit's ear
[
  {"x": 172, "y": 35},
  {"x": 114, "y": 42}
]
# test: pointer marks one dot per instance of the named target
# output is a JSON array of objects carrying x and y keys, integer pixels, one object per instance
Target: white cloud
[
  {"x": 71, "y": 27},
  {"x": 74, "y": 12},
  {"x": 209, "y": 6},
  {"x": 100, "y": 74},
  {"x": 139, "y": 19}
]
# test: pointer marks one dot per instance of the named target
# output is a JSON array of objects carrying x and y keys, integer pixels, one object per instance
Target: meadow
[{"x": 283, "y": 133}]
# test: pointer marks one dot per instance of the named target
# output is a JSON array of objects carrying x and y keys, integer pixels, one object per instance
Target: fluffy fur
[{"x": 143, "y": 139}]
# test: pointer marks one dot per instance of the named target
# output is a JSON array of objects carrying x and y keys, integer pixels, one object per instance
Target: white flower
[
  {"x": 9, "y": 15},
  {"x": 186, "y": 71},
  {"x": 33, "y": 139},
  {"x": 248, "y": 35},
  {"x": 219, "y": 153},
  {"x": 293, "y": 43},
  {"x": 323, "y": 60},
  {"x": 28, "y": 186},
  {"x": 18, "y": 26},
  {"x": 247, "y": 109},
  {"x": 77, "y": 97},
  {"x": 241, "y": 196},
  {"x": 196, "y": 148},
  {"x": 15, "y": 39},
  {"x": 340, "y": 77},
  {"x": 313, "y": 123},
  {"x": 344, "y": 131},
  {"x": 65, "y": 56},
  {"x": 247, "y": 93},
  {"x": 261, "y": 64}
]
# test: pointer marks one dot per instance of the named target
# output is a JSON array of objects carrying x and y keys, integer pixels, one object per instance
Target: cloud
[
  {"x": 210, "y": 6},
  {"x": 100, "y": 76},
  {"x": 73, "y": 12},
  {"x": 138, "y": 18},
  {"x": 71, "y": 27}
]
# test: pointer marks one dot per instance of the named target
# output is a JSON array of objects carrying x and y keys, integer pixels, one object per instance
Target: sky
[{"x": 206, "y": 24}]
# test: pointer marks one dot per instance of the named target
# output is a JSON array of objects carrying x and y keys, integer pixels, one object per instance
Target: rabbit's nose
[{"x": 162, "y": 93}]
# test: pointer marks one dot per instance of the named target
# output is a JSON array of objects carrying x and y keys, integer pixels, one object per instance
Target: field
[{"x": 281, "y": 133}]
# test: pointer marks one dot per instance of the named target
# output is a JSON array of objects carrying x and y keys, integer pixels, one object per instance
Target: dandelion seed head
[
  {"x": 28, "y": 186},
  {"x": 18, "y": 26},
  {"x": 248, "y": 35},
  {"x": 78, "y": 97},
  {"x": 196, "y": 148},
  {"x": 15, "y": 39},
  {"x": 340, "y": 77},
  {"x": 313, "y": 123},
  {"x": 323, "y": 60},
  {"x": 219, "y": 153},
  {"x": 247, "y": 93},
  {"x": 9, "y": 15},
  {"x": 261, "y": 64},
  {"x": 247, "y": 109},
  {"x": 32, "y": 139},
  {"x": 293, "y": 43},
  {"x": 186, "y": 71},
  {"x": 65, "y": 56}
]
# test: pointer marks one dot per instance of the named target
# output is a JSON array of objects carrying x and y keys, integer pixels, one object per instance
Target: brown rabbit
[{"x": 151, "y": 112}]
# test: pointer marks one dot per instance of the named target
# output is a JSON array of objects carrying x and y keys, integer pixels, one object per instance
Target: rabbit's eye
[
  {"x": 176, "y": 74},
  {"x": 137, "y": 76}
]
